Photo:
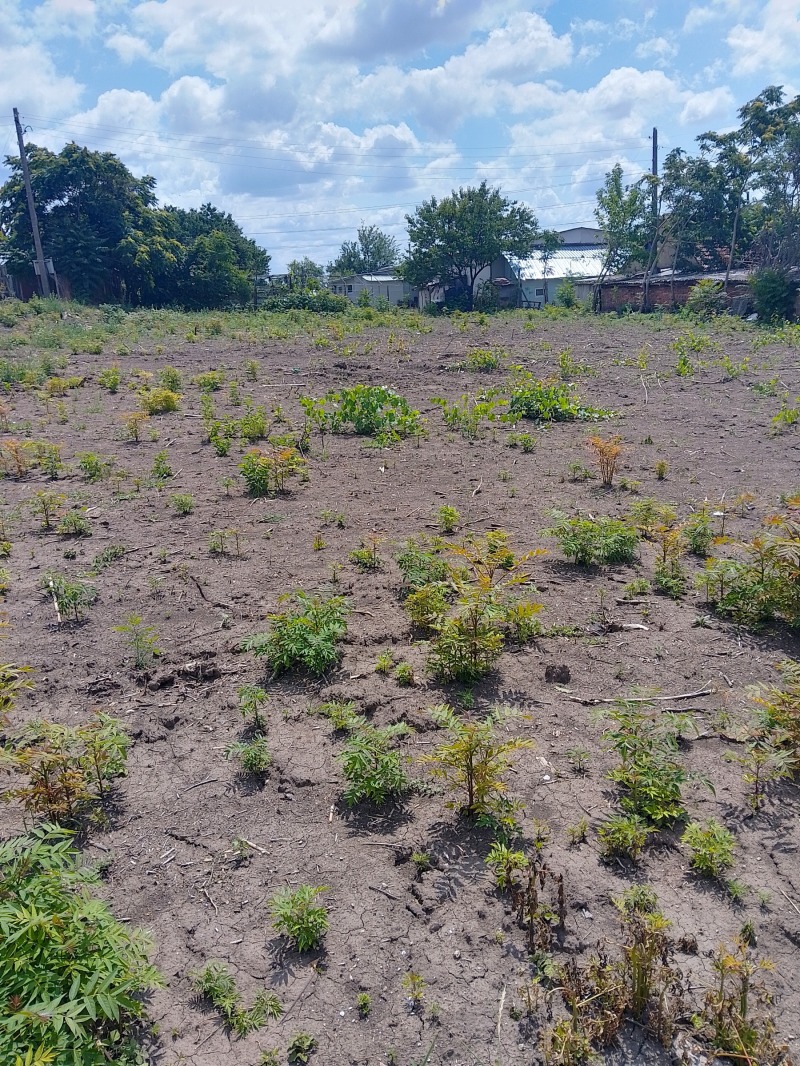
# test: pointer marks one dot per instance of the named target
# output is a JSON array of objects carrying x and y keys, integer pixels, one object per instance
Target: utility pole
[
  {"x": 44, "y": 279},
  {"x": 654, "y": 193}
]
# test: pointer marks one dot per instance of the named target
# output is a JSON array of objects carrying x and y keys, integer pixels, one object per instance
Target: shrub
[
  {"x": 71, "y": 974},
  {"x": 183, "y": 502},
  {"x": 93, "y": 467},
  {"x": 372, "y": 767},
  {"x": 210, "y": 380},
  {"x": 448, "y": 519},
  {"x": 252, "y": 755},
  {"x": 72, "y": 597},
  {"x": 110, "y": 378},
  {"x": 421, "y": 563},
  {"x": 707, "y": 298},
  {"x": 371, "y": 411},
  {"x": 69, "y": 768},
  {"x": 216, "y": 984},
  {"x": 266, "y": 473},
  {"x": 296, "y": 913},
  {"x": 606, "y": 455},
  {"x": 142, "y": 641},
  {"x": 773, "y": 293},
  {"x": 623, "y": 834},
  {"x": 304, "y": 636},
  {"x": 565, "y": 294},
  {"x": 159, "y": 401},
  {"x": 474, "y": 760},
  {"x": 711, "y": 846},
  {"x": 555, "y": 401},
  {"x": 170, "y": 378},
  {"x": 74, "y": 524},
  {"x": 590, "y": 541}
]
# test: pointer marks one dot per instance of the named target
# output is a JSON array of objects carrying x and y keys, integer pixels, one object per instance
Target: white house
[{"x": 387, "y": 286}]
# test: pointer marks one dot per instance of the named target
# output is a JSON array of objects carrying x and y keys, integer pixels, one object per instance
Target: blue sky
[{"x": 304, "y": 118}]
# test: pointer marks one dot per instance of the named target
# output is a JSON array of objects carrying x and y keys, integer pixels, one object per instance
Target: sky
[{"x": 304, "y": 118}]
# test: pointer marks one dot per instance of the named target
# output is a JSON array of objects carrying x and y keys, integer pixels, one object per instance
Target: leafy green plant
[
  {"x": 142, "y": 641},
  {"x": 384, "y": 663},
  {"x": 74, "y": 524},
  {"x": 508, "y": 865},
  {"x": 161, "y": 471},
  {"x": 210, "y": 380},
  {"x": 159, "y": 401},
  {"x": 251, "y": 700},
  {"x": 364, "y": 1004},
  {"x": 366, "y": 557},
  {"x": 448, "y": 519},
  {"x": 46, "y": 505},
  {"x": 553, "y": 401},
  {"x": 183, "y": 502},
  {"x": 370, "y": 410},
  {"x": 624, "y": 835},
  {"x": 302, "y": 1045},
  {"x": 69, "y": 769},
  {"x": 110, "y": 378},
  {"x": 421, "y": 564},
  {"x": 296, "y": 914},
  {"x": 72, "y": 597},
  {"x": 267, "y": 473},
  {"x": 216, "y": 984},
  {"x": 404, "y": 674},
  {"x": 711, "y": 846},
  {"x": 304, "y": 636},
  {"x": 170, "y": 378},
  {"x": 650, "y": 772},
  {"x": 469, "y": 414},
  {"x": 594, "y": 541},
  {"x": 372, "y": 766},
  {"x": 474, "y": 761},
  {"x": 698, "y": 532},
  {"x": 252, "y": 755},
  {"x": 72, "y": 976}
]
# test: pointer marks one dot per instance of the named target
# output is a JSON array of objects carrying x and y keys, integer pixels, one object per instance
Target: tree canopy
[
  {"x": 371, "y": 251},
  {"x": 107, "y": 236},
  {"x": 453, "y": 239}
]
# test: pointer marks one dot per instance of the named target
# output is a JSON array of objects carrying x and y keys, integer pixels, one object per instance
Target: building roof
[
  {"x": 380, "y": 277},
  {"x": 665, "y": 277},
  {"x": 565, "y": 263}
]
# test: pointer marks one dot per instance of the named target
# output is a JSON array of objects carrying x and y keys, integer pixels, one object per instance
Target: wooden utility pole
[
  {"x": 654, "y": 193},
  {"x": 44, "y": 280}
]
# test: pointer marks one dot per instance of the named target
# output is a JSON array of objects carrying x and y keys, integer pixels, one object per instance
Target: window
[
  {"x": 540, "y": 292},
  {"x": 349, "y": 288}
]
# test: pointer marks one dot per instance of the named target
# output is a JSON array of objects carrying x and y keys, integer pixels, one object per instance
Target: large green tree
[
  {"x": 371, "y": 251},
  {"x": 108, "y": 238},
  {"x": 453, "y": 239}
]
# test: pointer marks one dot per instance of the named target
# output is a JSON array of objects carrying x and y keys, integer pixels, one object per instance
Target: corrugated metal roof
[
  {"x": 380, "y": 277},
  {"x": 566, "y": 263}
]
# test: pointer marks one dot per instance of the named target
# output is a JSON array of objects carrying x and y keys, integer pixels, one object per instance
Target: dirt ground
[{"x": 171, "y": 866}]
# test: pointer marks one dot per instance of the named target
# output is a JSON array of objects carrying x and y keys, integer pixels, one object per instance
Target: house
[
  {"x": 380, "y": 286},
  {"x": 668, "y": 289},
  {"x": 532, "y": 282}
]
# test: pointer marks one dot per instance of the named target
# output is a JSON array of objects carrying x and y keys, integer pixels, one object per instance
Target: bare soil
[{"x": 171, "y": 867}]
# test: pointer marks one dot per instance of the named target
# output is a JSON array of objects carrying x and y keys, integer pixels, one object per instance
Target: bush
[
  {"x": 589, "y": 541},
  {"x": 322, "y": 300},
  {"x": 623, "y": 834},
  {"x": 773, "y": 293},
  {"x": 159, "y": 401},
  {"x": 565, "y": 294},
  {"x": 371, "y": 766},
  {"x": 304, "y": 637},
  {"x": 71, "y": 975},
  {"x": 707, "y": 298},
  {"x": 711, "y": 846},
  {"x": 554, "y": 401},
  {"x": 266, "y": 473},
  {"x": 371, "y": 411},
  {"x": 296, "y": 914}
]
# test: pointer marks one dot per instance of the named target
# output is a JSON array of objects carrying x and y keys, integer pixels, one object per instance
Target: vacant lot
[{"x": 194, "y": 849}]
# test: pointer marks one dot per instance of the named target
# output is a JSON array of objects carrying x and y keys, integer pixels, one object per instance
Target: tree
[
  {"x": 621, "y": 214},
  {"x": 305, "y": 273},
  {"x": 546, "y": 247},
  {"x": 373, "y": 250},
  {"x": 88, "y": 203},
  {"x": 452, "y": 240},
  {"x": 108, "y": 238}
]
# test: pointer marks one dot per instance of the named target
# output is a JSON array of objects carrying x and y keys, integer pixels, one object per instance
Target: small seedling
[
  {"x": 318, "y": 544},
  {"x": 142, "y": 641},
  {"x": 404, "y": 674},
  {"x": 577, "y": 832},
  {"x": 384, "y": 662},
  {"x": 414, "y": 987},
  {"x": 251, "y": 699},
  {"x": 448, "y": 519},
  {"x": 662, "y": 466},
  {"x": 364, "y": 1004},
  {"x": 301, "y": 1047},
  {"x": 252, "y": 755}
]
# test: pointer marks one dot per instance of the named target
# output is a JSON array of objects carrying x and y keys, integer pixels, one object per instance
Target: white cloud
[
  {"x": 656, "y": 48},
  {"x": 65, "y": 18},
  {"x": 771, "y": 45},
  {"x": 128, "y": 47},
  {"x": 701, "y": 107}
]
